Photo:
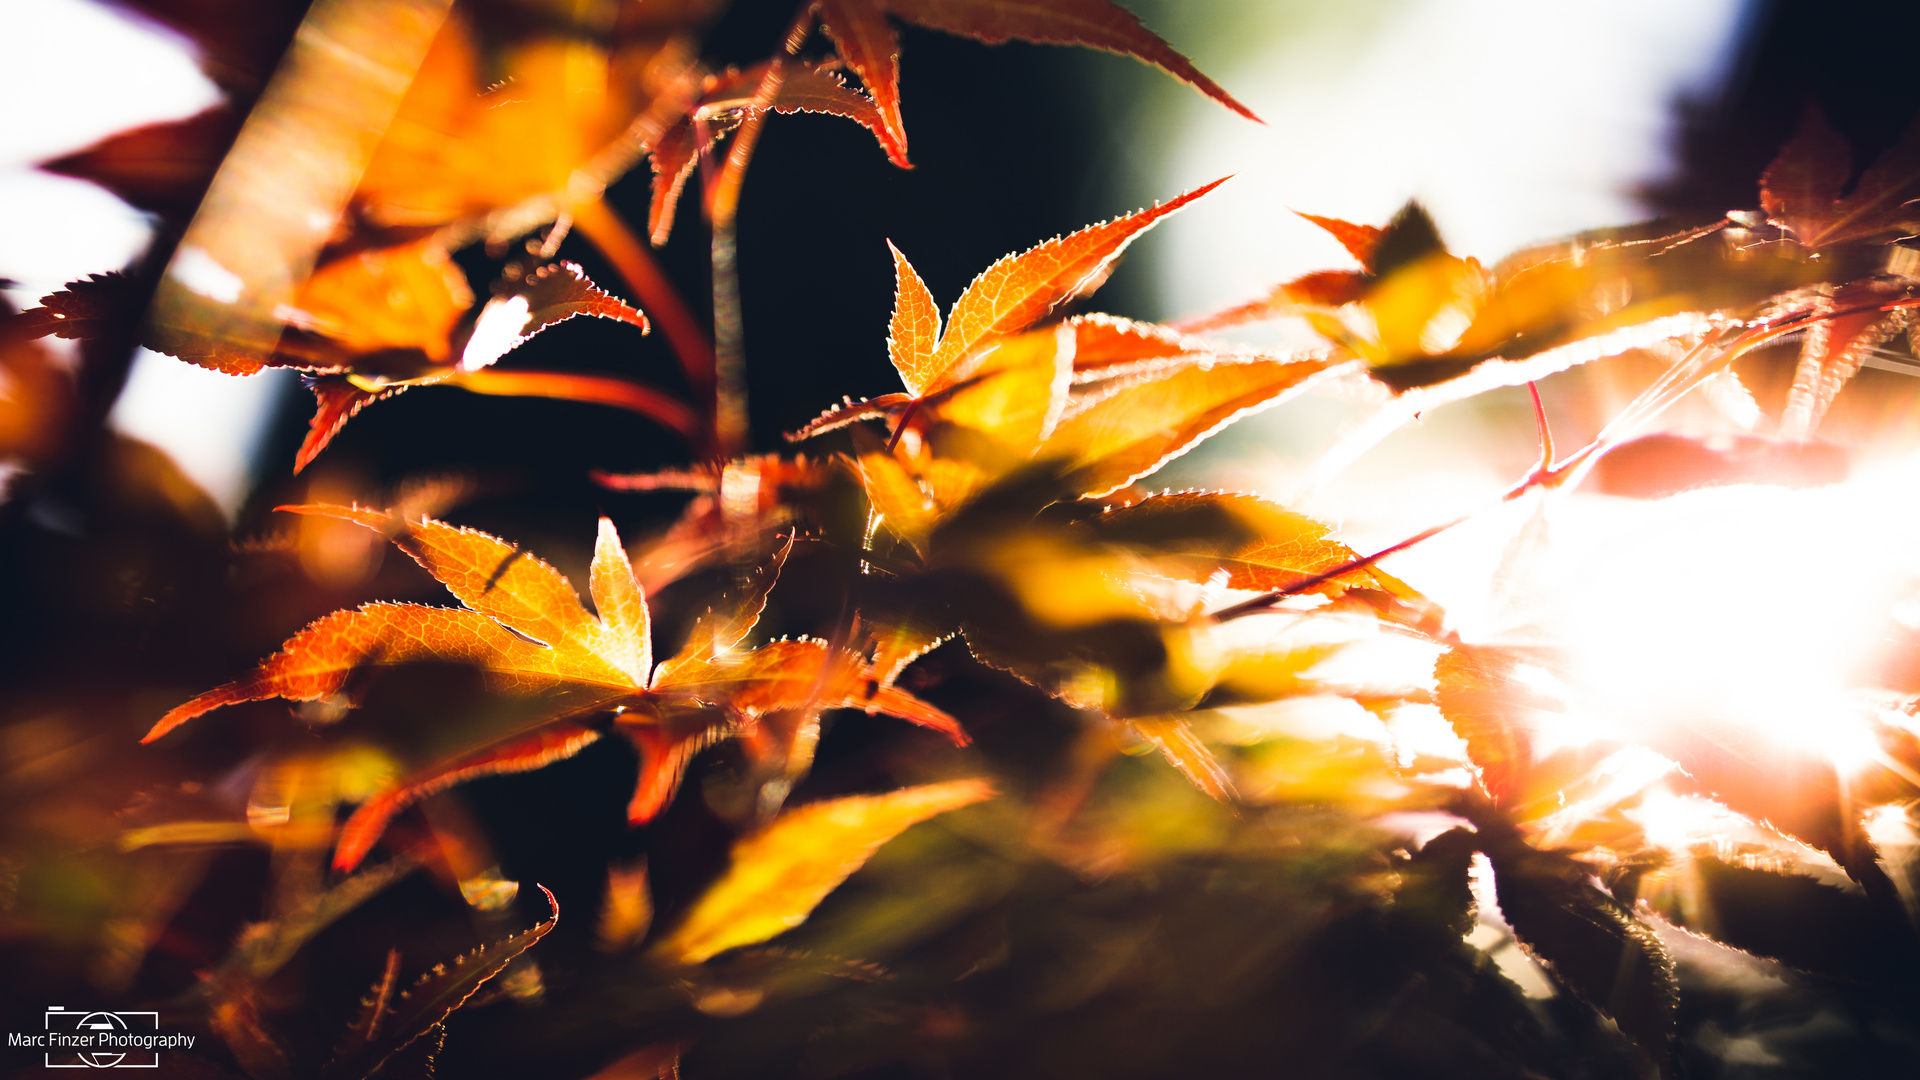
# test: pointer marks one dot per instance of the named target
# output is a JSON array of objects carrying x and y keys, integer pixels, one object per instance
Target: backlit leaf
[
  {"x": 725, "y": 100},
  {"x": 1020, "y": 289},
  {"x": 487, "y": 574},
  {"x": 92, "y": 307},
  {"x": 730, "y": 620},
  {"x": 1480, "y": 697},
  {"x": 798, "y": 675},
  {"x": 1591, "y": 944},
  {"x": 316, "y": 663},
  {"x": 434, "y": 997},
  {"x": 1174, "y": 737},
  {"x": 1800, "y": 191},
  {"x": 538, "y": 750},
  {"x": 406, "y": 297},
  {"x": 1112, "y": 436},
  {"x": 1361, "y": 241},
  {"x": 1804, "y": 923},
  {"x": 781, "y": 873},
  {"x": 868, "y": 44},
  {"x": 549, "y": 295},
  {"x": 914, "y": 333},
  {"x": 1261, "y": 546},
  {"x": 626, "y": 634}
]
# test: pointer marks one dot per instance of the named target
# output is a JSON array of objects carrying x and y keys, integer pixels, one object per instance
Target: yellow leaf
[
  {"x": 1112, "y": 436},
  {"x": 781, "y": 873},
  {"x": 404, "y": 297}
]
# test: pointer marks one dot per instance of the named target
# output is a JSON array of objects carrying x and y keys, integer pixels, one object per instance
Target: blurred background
[{"x": 1512, "y": 121}]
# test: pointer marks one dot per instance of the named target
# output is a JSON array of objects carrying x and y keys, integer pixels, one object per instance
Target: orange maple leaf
[
  {"x": 524, "y": 626},
  {"x": 871, "y": 48}
]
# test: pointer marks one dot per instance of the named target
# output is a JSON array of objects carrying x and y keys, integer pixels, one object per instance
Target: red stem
[{"x": 596, "y": 389}]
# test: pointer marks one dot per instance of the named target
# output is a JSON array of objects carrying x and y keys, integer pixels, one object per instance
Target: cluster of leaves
[{"x": 986, "y": 521}]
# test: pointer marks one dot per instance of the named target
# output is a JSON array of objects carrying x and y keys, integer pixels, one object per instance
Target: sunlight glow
[{"x": 1740, "y": 613}]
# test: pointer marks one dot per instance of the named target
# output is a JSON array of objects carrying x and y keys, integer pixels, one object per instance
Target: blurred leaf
[
  {"x": 1800, "y": 190},
  {"x": 1479, "y": 696},
  {"x": 1112, "y": 435},
  {"x": 291, "y": 171},
  {"x": 1656, "y": 466},
  {"x": 1174, "y": 737},
  {"x": 402, "y": 298},
  {"x": 235, "y": 1017},
  {"x": 1592, "y": 945},
  {"x": 365, "y": 1026},
  {"x": 1435, "y": 888},
  {"x": 264, "y": 948},
  {"x": 1854, "y": 323},
  {"x": 537, "y": 750},
  {"x": 898, "y": 639},
  {"x": 434, "y": 996},
  {"x": 1792, "y": 918},
  {"x": 1261, "y": 546},
  {"x": 732, "y": 618},
  {"x": 162, "y": 168},
  {"x": 781, "y": 873}
]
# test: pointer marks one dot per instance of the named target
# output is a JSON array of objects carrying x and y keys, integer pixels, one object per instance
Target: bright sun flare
[{"x": 1739, "y": 615}]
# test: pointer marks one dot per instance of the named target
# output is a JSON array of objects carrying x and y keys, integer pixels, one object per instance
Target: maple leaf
[
  {"x": 1120, "y": 430},
  {"x": 524, "y": 626},
  {"x": 505, "y": 125},
  {"x": 742, "y": 509},
  {"x": 984, "y": 397},
  {"x": 1800, "y": 190},
  {"x": 1259, "y": 545},
  {"x": 164, "y": 168},
  {"x": 781, "y": 873},
  {"x": 1657, "y": 466},
  {"x": 1174, "y": 738},
  {"x": 91, "y": 307},
  {"x": 869, "y": 45},
  {"x": 1764, "y": 903},
  {"x": 1591, "y": 943},
  {"x": 725, "y": 101},
  {"x": 413, "y": 341},
  {"x": 1426, "y": 320},
  {"x": 391, "y": 1023},
  {"x": 403, "y": 299}
]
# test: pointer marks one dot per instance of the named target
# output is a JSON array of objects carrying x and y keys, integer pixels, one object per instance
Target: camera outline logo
[{"x": 94, "y": 1024}]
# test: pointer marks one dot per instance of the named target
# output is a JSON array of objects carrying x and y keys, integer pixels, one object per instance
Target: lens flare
[{"x": 1743, "y": 615}]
